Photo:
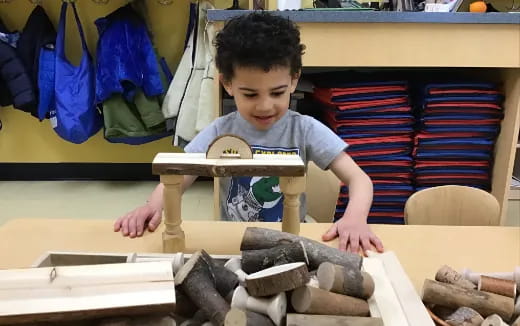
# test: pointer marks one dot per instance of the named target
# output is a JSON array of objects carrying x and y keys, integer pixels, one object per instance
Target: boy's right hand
[{"x": 133, "y": 223}]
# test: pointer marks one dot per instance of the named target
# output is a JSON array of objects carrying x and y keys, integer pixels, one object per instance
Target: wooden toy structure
[{"x": 227, "y": 156}]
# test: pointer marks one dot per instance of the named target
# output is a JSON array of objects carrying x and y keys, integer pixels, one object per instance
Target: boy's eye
[
  {"x": 277, "y": 94},
  {"x": 250, "y": 95}
]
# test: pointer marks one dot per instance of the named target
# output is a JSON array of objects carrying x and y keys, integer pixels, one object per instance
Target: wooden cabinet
[{"x": 401, "y": 40}]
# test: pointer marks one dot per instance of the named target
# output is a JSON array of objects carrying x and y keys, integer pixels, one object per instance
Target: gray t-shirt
[{"x": 259, "y": 198}]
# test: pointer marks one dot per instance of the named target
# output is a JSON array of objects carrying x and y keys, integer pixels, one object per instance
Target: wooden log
[
  {"x": 257, "y": 260},
  {"x": 274, "y": 307},
  {"x": 516, "y": 322},
  {"x": 493, "y": 320},
  {"x": 277, "y": 279},
  {"x": 517, "y": 307},
  {"x": 438, "y": 321},
  {"x": 311, "y": 300},
  {"x": 351, "y": 282},
  {"x": 82, "y": 292},
  {"x": 184, "y": 306},
  {"x": 453, "y": 296},
  {"x": 226, "y": 281},
  {"x": 198, "y": 282},
  {"x": 465, "y": 316},
  {"x": 260, "y": 238},
  {"x": 238, "y": 317},
  {"x": 291, "y": 187},
  {"x": 327, "y": 320},
  {"x": 498, "y": 286},
  {"x": 197, "y": 319},
  {"x": 447, "y": 274}
]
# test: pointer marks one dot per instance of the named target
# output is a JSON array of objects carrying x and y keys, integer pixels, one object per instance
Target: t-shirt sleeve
[
  {"x": 201, "y": 141},
  {"x": 323, "y": 145}
]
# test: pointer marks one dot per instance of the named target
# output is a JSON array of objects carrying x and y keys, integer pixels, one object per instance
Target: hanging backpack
[{"x": 75, "y": 117}]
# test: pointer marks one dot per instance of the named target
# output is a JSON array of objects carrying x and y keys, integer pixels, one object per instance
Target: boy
[{"x": 259, "y": 60}]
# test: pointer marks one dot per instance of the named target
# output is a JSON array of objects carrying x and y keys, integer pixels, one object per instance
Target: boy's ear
[
  {"x": 226, "y": 84},
  {"x": 294, "y": 81}
]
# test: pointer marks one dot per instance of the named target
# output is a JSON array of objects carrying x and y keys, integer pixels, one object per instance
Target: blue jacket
[{"x": 125, "y": 57}]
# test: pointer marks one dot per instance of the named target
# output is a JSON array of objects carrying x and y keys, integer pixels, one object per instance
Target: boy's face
[{"x": 262, "y": 98}]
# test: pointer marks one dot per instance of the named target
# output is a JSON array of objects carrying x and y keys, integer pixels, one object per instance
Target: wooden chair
[
  {"x": 452, "y": 205},
  {"x": 322, "y": 193}
]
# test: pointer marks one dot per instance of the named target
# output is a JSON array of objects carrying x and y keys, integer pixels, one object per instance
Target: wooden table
[{"x": 421, "y": 249}]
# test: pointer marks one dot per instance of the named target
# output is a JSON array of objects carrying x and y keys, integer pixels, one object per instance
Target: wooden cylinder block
[
  {"x": 277, "y": 279},
  {"x": 498, "y": 286},
  {"x": 310, "y": 300},
  {"x": 453, "y": 296},
  {"x": 346, "y": 281}
]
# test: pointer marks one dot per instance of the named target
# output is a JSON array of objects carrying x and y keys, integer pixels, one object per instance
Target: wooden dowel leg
[
  {"x": 291, "y": 187},
  {"x": 173, "y": 236}
]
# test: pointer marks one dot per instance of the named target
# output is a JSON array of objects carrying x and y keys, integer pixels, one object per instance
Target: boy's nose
[{"x": 264, "y": 105}]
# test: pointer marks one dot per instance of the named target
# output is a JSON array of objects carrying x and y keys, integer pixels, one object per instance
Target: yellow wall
[{"x": 25, "y": 139}]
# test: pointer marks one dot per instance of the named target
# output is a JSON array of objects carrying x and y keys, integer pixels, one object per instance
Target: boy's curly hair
[{"x": 260, "y": 40}]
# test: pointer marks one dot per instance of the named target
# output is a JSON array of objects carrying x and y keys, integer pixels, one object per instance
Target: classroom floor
[{"x": 107, "y": 200}]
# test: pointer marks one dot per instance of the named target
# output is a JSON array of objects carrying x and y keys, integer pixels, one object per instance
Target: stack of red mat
[
  {"x": 459, "y": 123},
  {"x": 375, "y": 119}
]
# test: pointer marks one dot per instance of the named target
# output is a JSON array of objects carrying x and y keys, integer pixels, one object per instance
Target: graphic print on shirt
[{"x": 257, "y": 198}]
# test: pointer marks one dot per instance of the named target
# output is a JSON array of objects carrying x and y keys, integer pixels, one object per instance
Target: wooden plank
[
  {"x": 198, "y": 164},
  {"x": 69, "y": 276},
  {"x": 78, "y": 292},
  {"x": 410, "y": 301},
  {"x": 384, "y": 295}
]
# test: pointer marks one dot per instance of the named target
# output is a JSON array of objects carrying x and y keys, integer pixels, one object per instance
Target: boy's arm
[
  {"x": 352, "y": 228},
  {"x": 133, "y": 223}
]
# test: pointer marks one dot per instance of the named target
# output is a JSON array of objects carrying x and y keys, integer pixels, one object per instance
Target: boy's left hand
[{"x": 353, "y": 235}]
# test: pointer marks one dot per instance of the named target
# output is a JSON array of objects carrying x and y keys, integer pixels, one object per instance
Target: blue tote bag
[{"x": 75, "y": 117}]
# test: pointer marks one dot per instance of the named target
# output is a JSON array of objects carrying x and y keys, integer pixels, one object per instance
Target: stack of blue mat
[
  {"x": 375, "y": 119},
  {"x": 459, "y": 123}
]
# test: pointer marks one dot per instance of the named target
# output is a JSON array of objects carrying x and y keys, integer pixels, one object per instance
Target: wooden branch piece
[
  {"x": 517, "y": 306},
  {"x": 198, "y": 164},
  {"x": 226, "y": 281},
  {"x": 234, "y": 264},
  {"x": 67, "y": 293},
  {"x": 197, "y": 319},
  {"x": 493, "y": 320},
  {"x": 260, "y": 238},
  {"x": 257, "y": 260},
  {"x": 453, "y": 296},
  {"x": 327, "y": 320},
  {"x": 498, "y": 286},
  {"x": 274, "y": 307},
  {"x": 277, "y": 279},
  {"x": 310, "y": 300},
  {"x": 238, "y": 317},
  {"x": 173, "y": 236},
  {"x": 291, "y": 187},
  {"x": 351, "y": 282},
  {"x": 197, "y": 281},
  {"x": 516, "y": 322},
  {"x": 447, "y": 274},
  {"x": 465, "y": 316}
]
